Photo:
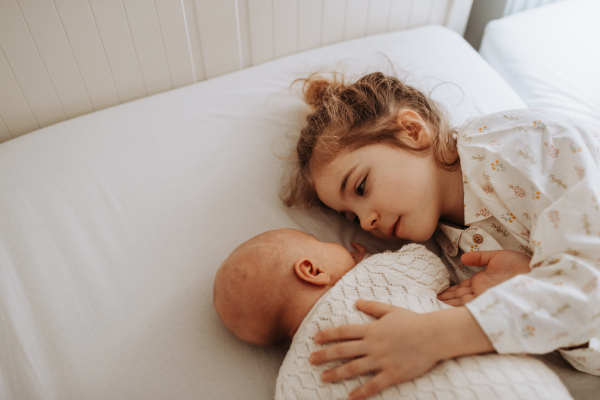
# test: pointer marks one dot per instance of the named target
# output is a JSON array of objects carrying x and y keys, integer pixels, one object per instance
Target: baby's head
[{"x": 268, "y": 284}]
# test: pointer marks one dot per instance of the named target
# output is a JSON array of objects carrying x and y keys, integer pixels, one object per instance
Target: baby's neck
[{"x": 299, "y": 305}]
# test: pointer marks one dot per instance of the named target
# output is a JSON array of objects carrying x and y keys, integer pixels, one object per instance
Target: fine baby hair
[
  {"x": 350, "y": 115},
  {"x": 265, "y": 287},
  {"x": 252, "y": 270}
]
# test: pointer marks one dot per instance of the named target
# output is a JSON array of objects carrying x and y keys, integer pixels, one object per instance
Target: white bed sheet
[
  {"x": 551, "y": 56},
  {"x": 113, "y": 224}
]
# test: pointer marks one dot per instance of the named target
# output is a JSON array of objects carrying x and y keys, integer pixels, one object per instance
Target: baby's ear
[
  {"x": 309, "y": 272},
  {"x": 412, "y": 130}
]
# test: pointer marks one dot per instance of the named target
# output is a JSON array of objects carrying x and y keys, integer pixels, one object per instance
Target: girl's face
[{"x": 391, "y": 192}]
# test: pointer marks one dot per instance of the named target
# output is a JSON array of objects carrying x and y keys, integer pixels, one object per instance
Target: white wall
[{"x": 63, "y": 58}]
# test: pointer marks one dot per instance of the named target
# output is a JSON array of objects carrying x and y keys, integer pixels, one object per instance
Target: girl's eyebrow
[{"x": 345, "y": 181}]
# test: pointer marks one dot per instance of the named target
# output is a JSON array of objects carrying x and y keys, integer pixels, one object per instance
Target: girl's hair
[{"x": 350, "y": 116}]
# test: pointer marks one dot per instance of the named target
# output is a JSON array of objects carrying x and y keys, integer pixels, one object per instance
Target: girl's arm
[
  {"x": 539, "y": 174},
  {"x": 543, "y": 183},
  {"x": 399, "y": 346}
]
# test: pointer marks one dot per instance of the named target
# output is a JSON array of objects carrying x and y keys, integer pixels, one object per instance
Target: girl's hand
[
  {"x": 501, "y": 266},
  {"x": 399, "y": 346},
  {"x": 396, "y": 354},
  {"x": 359, "y": 253}
]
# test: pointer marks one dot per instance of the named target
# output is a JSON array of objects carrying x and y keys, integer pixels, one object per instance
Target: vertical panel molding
[
  {"x": 175, "y": 38},
  {"x": 142, "y": 20},
  {"x": 310, "y": 23},
  {"x": 14, "y": 109},
  {"x": 115, "y": 35},
  {"x": 218, "y": 29},
  {"x": 53, "y": 48},
  {"x": 84, "y": 41},
  {"x": 64, "y": 58},
  {"x": 26, "y": 64},
  {"x": 285, "y": 27},
  {"x": 4, "y": 134},
  {"x": 262, "y": 40}
]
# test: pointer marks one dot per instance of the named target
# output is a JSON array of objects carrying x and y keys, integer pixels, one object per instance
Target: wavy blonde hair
[{"x": 348, "y": 116}]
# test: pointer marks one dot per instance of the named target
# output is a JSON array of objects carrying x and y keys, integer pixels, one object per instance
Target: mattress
[
  {"x": 112, "y": 225},
  {"x": 551, "y": 56}
]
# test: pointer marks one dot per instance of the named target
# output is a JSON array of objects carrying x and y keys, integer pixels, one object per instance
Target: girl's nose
[{"x": 368, "y": 221}]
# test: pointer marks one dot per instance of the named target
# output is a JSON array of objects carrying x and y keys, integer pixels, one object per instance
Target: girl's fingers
[
  {"x": 458, "y": 293},
  {"x": 359, "y": 247},
  {"x": 339, "y": 351},
  {"x": 461, "y": 301},
  {"x": 453, "y": 302},
  {"x": 381, "y": 381},
  {"x": 374, "y": 308},
  {"x": 465, "y": 283},
  {"x": 478, "y": 258},
  {"x": 344, "y": 332},
  {"x": 450, "y": 293},
  {"x": 360, "y": 252},
  {"x": 450, "y": 289},
  {"x": 468, "y": 298},
  {"x": 351, "y": 369}
]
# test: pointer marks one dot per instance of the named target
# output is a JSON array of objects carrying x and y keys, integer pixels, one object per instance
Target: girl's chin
[
  {"x": 382, "y": 235},
  {"x": 422, "y": 235}
]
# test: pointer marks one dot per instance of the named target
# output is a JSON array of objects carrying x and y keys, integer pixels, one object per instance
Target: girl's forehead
[
  {"x": 329, "y": 177},
  {"x": 346, "y": 159},
  {"x": 330, "y": 168}
]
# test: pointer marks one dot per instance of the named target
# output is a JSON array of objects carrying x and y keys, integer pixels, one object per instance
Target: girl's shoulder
[
  {"x": 523, "y": 120},
  {"x": 527, "y": 154},
  {"x": 538, "y": 129}
]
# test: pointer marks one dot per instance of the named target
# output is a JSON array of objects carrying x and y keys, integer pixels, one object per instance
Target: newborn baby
[
  {"x": 267, "y": 285},
  {"x": 286, "y": 284}
]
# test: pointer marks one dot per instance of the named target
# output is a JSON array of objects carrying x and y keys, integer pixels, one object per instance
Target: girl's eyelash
[{"x": 360, "y": 190}]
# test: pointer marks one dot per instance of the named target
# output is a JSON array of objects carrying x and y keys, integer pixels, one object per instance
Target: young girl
[{"x": 513, "y": 198}]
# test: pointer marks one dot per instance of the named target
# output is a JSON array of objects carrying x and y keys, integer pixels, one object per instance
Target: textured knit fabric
[
  {"x": 409, "y": 278},
  {"x": 532, "y": 184}
]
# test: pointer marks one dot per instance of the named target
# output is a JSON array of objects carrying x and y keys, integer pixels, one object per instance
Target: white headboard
[{"x": 63, "y": 58}]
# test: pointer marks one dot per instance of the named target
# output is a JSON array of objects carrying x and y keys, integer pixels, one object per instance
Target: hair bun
[{"x": 315, "y": 90}]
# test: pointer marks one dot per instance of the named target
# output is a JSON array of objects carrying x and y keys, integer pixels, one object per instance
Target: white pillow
[{"x": 551, "y": 56}]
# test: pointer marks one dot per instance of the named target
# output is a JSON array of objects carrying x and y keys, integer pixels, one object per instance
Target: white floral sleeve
[{"x": 544, "y": 170}]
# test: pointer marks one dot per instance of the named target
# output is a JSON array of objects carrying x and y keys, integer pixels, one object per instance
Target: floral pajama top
[{"x": 532, "y": 184}]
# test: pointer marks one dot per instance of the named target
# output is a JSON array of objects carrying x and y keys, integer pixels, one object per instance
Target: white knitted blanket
[{"x": 409, "y": 278}]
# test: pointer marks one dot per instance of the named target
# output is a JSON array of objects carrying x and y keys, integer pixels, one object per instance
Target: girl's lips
[{"x": 392, "y": 230}]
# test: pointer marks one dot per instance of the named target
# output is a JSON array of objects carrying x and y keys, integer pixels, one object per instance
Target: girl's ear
[
  {"x": 412, "y": 130},
  {"x": 308, "y": 272}
]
